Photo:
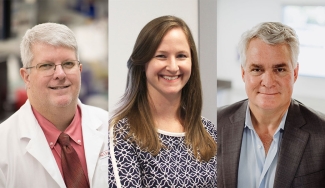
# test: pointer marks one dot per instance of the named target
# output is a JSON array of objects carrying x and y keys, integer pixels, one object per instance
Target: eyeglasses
[{"x": 48, "y": 69}]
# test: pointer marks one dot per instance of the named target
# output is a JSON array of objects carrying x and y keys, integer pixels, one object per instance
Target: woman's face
[{"x": 170, "y": 68}]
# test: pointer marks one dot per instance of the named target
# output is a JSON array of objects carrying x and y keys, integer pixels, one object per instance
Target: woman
[{"x": 157, "y": 135}]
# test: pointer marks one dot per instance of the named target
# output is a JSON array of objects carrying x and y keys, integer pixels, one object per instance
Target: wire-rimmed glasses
[{"x": 48, "y": 69}]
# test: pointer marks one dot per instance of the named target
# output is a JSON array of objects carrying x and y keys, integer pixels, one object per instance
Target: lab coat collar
[
  {"x": 94, "y": 140},
  {"x": 36, "y": 144}
]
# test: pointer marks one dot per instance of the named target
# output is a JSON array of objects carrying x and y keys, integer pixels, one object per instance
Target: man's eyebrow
[
  {"x": 254, "y": 65},
  {"x": 280, "y": 65}
]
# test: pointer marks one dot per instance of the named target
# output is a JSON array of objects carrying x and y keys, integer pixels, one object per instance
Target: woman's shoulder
[
  {"x": 119, "y": 133},
  {"x": 122, "y": 122},
  {"x": 207, "y": 123},
  {"x": 121, "y": 127},
  {"x": 209, "y": 126}
]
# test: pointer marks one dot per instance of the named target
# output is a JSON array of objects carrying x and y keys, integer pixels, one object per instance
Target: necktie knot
[{"x": 64, "y": 139}]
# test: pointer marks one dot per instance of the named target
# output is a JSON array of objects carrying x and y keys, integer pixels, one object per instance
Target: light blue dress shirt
[{"x": 255, "y": 170}]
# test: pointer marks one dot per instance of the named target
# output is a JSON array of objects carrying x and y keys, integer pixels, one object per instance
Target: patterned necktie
[{"x": 73, "y": 174}]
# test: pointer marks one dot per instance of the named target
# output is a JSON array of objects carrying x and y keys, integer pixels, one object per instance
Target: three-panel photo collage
[{"x": 162, "y": 93}]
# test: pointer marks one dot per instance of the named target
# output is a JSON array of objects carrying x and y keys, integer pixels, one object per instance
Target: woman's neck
[{"x": 166, "y": 113}]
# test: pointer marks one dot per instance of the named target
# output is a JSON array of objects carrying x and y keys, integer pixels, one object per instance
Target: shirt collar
[
  {"x": 249, "y": 124},
  {"x": 74, "y": 130},
  {"x": 52, "y": 134}
]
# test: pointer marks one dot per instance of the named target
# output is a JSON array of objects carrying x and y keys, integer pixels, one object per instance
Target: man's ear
[
  {"x": 80, "y": 67},
  {"x": 295, "y": 72},
  {"x": 242, "y": 73},
  {"x": 24, "y": 75}
]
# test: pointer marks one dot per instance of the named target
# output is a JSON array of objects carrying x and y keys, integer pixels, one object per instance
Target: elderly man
[
  {"x": 270, "y": 139},
  {"x": 53, "y": 140}
]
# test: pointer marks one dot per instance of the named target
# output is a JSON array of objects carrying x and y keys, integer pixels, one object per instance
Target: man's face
[
  {"x": 268, "y": 75},
  {"x": 56, "y": 90}
]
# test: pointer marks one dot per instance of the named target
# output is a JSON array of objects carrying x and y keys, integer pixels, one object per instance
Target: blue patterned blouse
[{"x": 174, "y": 166}]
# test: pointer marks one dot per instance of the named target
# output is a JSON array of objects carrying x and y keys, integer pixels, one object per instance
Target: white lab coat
[{"x": 26, "y": 159}]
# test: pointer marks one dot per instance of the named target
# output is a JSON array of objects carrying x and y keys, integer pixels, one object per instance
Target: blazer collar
[
  {"x": 294, "y": 141},
  {"x": 239, "y": 115},
  {"x": 231, "y": 144}
]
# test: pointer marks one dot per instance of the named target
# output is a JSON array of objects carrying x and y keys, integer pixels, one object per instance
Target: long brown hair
[{"x": 135, "y": 104}]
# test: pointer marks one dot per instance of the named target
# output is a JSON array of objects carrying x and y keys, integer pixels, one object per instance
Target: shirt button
[
  {"x": 259, "y": 146},
  {"x": 51, "y": 143},
  {"x": 79, "y": 141}
]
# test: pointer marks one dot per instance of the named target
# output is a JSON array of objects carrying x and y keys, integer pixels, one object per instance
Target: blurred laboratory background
[
  {"x": 308, "y": 19},
  {"x": 88, "y": 19}
]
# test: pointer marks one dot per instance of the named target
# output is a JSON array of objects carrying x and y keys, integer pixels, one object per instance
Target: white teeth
[
  {"x": 170, "y": 77},
  {"x": 61, "y": 87}
]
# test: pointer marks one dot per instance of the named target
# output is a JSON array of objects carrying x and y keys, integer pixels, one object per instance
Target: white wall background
[
  {"x": 208, "y": 56},
  {"x": 128, "y": 17},
  {"x": 235, "y": 17}
]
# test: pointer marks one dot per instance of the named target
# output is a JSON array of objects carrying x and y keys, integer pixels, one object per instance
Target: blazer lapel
[
  {"x": 231, "y": 143},
  {"x": 94, "y": 141},
  {"x": 294, "y": 141}
]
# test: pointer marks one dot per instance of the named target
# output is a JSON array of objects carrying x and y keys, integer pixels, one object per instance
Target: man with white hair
[
  {"x": 270, "y": 139},
  {"x": 53, "y": 140}
]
